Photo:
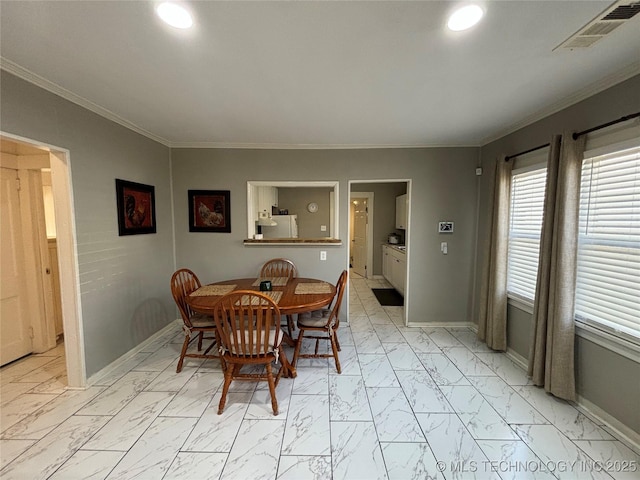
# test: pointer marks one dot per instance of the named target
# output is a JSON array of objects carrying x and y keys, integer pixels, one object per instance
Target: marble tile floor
[{"x": 411, "y": 403}]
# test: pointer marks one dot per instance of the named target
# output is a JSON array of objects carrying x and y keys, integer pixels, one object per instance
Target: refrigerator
[{"x": 287, "y": 227}]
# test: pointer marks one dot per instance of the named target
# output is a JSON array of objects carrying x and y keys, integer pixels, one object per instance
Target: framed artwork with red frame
[
  {"x": 209, "y": 211},
  {"x": 136, "y": 208}
]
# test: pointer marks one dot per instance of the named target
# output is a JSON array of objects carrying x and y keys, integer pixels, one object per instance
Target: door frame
[
  {"x": 368, "y": 231},
  {"x": 407, "y": 291},
  {"x": 67, "y": 258}
]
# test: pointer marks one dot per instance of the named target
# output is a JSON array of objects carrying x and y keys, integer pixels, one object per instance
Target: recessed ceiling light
[
  {"x": 465, "y": 17},
  {"x": 175, "y": 15}
]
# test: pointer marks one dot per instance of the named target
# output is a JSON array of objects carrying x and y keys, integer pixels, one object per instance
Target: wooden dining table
[{"x": 299, "y": 295}]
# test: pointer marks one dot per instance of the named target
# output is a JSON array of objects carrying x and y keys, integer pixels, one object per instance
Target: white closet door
[{"x": 15, "y": 328}]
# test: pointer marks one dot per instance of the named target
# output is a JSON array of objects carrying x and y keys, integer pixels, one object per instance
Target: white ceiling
[{"x": 316, "y": 74}]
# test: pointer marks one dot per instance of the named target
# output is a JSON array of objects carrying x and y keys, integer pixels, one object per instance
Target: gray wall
[
  {"x": 124, "y": 289},
  {"x": 296, "y": 199},
  {"x": 444, "y": 187},
  {"x": 605, "y": 378},
  {"x": 384, "y": 215},
  {"x": 124, "y": 281}
]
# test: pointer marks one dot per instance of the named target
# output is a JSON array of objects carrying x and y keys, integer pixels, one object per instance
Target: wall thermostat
[
  {"x": 445, "y": 227},
  {"x": 312, "y": 207}
]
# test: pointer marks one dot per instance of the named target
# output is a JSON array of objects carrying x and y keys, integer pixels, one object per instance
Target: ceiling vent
[{"x": 601, "y": 26}]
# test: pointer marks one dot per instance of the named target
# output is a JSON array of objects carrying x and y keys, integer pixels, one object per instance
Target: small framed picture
[
  {"x": 209, "y": 211},
  {"x": 136, "y": 208},
  {"x": 445, "y": 227}
]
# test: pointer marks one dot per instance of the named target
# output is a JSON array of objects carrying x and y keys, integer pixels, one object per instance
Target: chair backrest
[
  {"x": 341, "y": 285},
  {"x": 184, "y": 282},
  {"x": 248, "y": 323},
  {"x": 279, "y": 267}
]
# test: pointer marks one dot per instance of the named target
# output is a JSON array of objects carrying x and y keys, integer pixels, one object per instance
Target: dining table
[{"x": 292, "y": 295}]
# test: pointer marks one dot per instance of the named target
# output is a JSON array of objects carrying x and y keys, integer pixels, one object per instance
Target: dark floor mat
[{"x": 388, "y": 297}]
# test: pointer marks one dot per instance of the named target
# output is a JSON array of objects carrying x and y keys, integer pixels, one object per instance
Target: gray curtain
[
  {"x": 492, "y": 324},
  {"x": 551, "y": 353}
]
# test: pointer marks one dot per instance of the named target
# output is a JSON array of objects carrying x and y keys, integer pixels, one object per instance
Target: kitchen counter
[
  {"x": 398, "y": 248},
  {"x": 293, "y": 241}
]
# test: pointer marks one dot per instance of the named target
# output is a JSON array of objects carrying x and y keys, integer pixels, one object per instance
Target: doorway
[
  {"x": 361, "y": 209},
  {"x": 370, "y": 230},
  {"x": 32, "y": 161}
]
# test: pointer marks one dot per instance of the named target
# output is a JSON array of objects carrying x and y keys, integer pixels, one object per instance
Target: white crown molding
[
  {"x": 21, "y": 72},
  {"x": 304, "y": 146},
  {"x": 620, "y": 76},
  {"x": 56, "y": 89}
]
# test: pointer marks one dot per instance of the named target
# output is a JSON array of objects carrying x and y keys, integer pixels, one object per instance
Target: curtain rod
[
  {"x": 579, "y": 134},
  {"x": 506, "y": 159},
  {"x": 608, "y": 124}
]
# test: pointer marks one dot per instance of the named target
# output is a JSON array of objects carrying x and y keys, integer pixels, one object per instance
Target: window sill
[
  {"x": 303, "y": 242},
  {"x": 520, "y": 303},
  {"x": 627, "y": 346}
]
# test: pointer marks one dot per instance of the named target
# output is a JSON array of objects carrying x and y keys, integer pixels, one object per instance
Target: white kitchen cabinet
[
  {"x": 398, "y": 272},
  {"x": 401, "y": 212},
  {"x": 267, "y": 198},
  {"x": 394, "y": 267},
  {"x": 386, "y": 262}
]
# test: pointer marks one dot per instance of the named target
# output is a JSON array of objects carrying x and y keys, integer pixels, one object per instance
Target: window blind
[
  {"x": 525, "y": 223},
  {"x": 608, "y": 271}
]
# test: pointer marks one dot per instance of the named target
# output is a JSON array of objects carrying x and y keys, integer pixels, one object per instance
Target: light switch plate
[{"x": 323, "y": 255}]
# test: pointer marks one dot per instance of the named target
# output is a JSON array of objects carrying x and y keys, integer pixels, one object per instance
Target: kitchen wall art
[
  {"x": 136, "y": 208},
  {"x": 209, "y": 211}
]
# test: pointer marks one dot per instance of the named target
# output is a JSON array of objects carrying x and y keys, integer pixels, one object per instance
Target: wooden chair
[
  {"x": 324, "y": 324},
  {"x": 281, "y": 267},
  {"x": 249, "y": 326},
  {"x": 195, "y": 325}
]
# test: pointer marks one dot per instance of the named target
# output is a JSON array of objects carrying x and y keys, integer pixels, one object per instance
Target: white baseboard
[
  {"x": 628, "y": 436},
  {"x": 517, "y": 358},
  {"x": 125, "y": 357},
  {"x": 440, "y": 324}
]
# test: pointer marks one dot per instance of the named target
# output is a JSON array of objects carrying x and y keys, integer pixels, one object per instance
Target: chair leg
[
  {"x": 287, "y": 368},
  {"x": 272, "y": 389},
  {"x": 185, "y": 345},
  {"x": 228, "y": 376},
  {"x": 200, "y": 337},
  {"x": 334, "y": 347},
  {"x": 335, "y": 335},
  {"x": 223, "y": 364},
  {"x": 296, "y": 351}
]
